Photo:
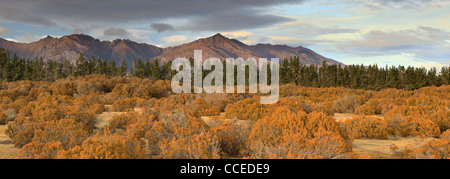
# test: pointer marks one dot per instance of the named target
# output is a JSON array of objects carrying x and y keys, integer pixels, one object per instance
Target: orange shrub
[
  {"x": 21, "y": 131},
  {"x": 57, "y": 136},
  {"x": 37, "y": 150},
  {"x": 126, "y": 90},
  {"x": 88, "y": 87},
  {"x": 202, "y": 145},
  {"x": 108, "y": 98},
  {"x": 370, "y": 108},
  {"x": 289, "y": 134},
  {"x": 366, "y": 127},
  {"x": 97, "y": 108},
  {"x": 442, "y": 119},
  {"x": 177, "y": 129},
  {"x": 433, "y": 149},
  {"x": 346, "y": 104},
  {"x": 3, "y": 119},
  {"x": 63, "y": 87},
  {"x": 200, "y": 107},
  {"x": 233, "y": 137},
  {"x": 141, "y": 126},
  {"x": 107, "y": 146},
  {"x": 247, "y": 109},
  {"x": 122, "y": 121},
  {"x": 405, "y": 126},
  {"x": 405, "y": 120},
  {"x": 124, "y": 105}
]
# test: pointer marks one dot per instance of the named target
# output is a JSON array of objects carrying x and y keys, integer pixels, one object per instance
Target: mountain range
[{"x": 70, "y": 46}]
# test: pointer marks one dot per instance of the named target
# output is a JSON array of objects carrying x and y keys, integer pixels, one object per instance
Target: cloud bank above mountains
[{"x": 414, "y": 32}]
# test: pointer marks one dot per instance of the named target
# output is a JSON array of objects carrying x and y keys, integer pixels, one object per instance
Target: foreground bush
[
  {"x": 366, "y": 127},
  {"x": 124, "y": 105},
  {"x": 107, "y": 146},
  {"x": 233, "y": 137},
  {"x": 247, "y": 109},
  {"x": 433, "y": 149},
  {"x": 346, "y": 104},
  {"x": 55, "y": 137},
  {"x": 288, "y": 134},
  {"x": 3, "y": 119}
]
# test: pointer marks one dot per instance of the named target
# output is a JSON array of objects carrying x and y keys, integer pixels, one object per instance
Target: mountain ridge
[{"x": 219, "y": 46}]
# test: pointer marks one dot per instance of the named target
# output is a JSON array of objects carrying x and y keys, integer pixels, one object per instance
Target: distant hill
[{"x": 218, "y": 46}]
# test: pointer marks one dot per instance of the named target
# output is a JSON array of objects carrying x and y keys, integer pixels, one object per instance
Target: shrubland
[{"x": 57, "y": 120}]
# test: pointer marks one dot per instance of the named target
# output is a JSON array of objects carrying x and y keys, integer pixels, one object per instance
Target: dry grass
[
  {"x": 213, "y": 120},
  {"x": 380, "y": 149},
  {"x": 104, "y": 118},
  {"x": 341, "y": 117},
  {"x": 7, "y": 149}
]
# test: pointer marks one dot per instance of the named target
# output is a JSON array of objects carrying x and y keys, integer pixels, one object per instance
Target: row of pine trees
[
  {"x": 369, "y": 77},
  {"x": 16, "y": 68}
]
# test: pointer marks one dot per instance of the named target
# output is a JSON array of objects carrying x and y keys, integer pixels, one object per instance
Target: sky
[{"x": 383, "y": 32}]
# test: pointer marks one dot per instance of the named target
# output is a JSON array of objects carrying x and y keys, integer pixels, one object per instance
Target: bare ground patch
[
  {"x": 341, "y": 117},
  {"x": 7, "y": 149},
  {"x": 380, "y": 149}
]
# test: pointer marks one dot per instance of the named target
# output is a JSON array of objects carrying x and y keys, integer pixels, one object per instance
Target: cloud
[
  {"x": 10, "y": 39},
  {"x": 161, "y": 27},
  {"x": 307, "y": 29},
  {"x": 106, "y": 12},
  {"x": 4, "y": 31},
  {"x": 423, "y": 42},
  {"x": 115, "y": 32},
  {"x": 422, "y": 37},
  {"x": 251, "y": 38},
  {"x": 27, "y": 38},
  {"x": 399, "y": 4},
  {"x": 13, "y": 14},
  {"x": 231, "y": 22},
  {"x": 404, "y": 59},
  {"x": 248, "y": 38},
  {"x": 140, "y": 36},
  {"x": 175, "y": 40},
  {"x": 78, "y": 30}
]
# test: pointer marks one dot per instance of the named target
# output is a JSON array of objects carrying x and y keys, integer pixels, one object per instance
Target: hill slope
[{"x": 216, "y": 46}]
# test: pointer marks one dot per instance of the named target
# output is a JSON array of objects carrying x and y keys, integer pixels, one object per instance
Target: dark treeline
[
  {"x": 16, "y": 68},
  {"x": 291, "y": 71},
  {"x": 360, "y": 76}
]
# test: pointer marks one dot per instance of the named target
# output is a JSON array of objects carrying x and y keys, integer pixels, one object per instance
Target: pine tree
[
  {"x": 112, "y": 68},
  {"x": 139, "y": 69},
  {"x": 284, "y": 72},
  {"x": 122, "y": 68},
  {"x": 156, "y": 71}
]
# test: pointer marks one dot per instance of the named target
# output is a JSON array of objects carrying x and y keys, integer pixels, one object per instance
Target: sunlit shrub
[
  {"x": 346, "y": 104},
  {"x": 366, "y": 127},
  {"x": 124, "y": 105},
  {"x": 433, "y": 149}
]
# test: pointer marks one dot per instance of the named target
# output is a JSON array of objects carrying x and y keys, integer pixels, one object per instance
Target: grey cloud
[
  {"x": 161, "y": 27},
  {"x": 78, "y": 30},
  {"x": 313, "y": 30},
  {"x": 399, "y": 4},
  {"x": 425, "y": 42},
  {"x": 4, "y": 31},
  {"x": 11, "y": 13},
  {"x": 232, "y": 22},
  {"x": 107, "y": 12},
  {"x": 115, "y": 32},
  {"x": 27, "y": 38}
]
